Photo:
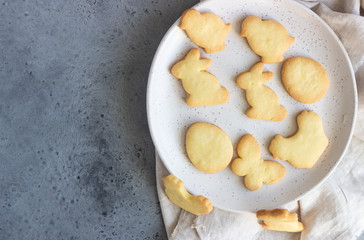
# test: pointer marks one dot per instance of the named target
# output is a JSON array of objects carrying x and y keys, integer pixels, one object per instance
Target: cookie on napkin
[
  {"x": 280, "y": 220},
  {"x": 177, "y": 194}
]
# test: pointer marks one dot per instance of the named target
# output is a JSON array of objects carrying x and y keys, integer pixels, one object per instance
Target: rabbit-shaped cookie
[
  {"x": 206, "y": 30},
  {"x": 267, "y": 38},
  {"x": 263, "y": 101},
  {"x": 250, "y": 164},
  {"x": 202, "y": 87}
]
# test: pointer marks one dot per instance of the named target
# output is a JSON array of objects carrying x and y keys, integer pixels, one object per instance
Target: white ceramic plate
[{"x": 169, "y": 116}]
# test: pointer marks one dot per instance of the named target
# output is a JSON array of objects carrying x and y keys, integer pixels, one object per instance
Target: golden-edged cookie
[
  {"x": 206, "y": 30},
  {"x": 267, "y": 38},
  {"x": 305, "y": 147},
  {"x": 250, "y": 164},
  {"x": 208, "y": 147},
  {"x": 263, "y": 100},
  {"x": 280, "y": 220},
  {"x": 202, "y": 87},
  {"x": 304, "y": 79},
  {"x": 177, "y": 194}
]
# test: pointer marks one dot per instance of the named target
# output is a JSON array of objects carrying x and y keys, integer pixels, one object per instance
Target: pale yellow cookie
[
  {"x": 277, "y": 215},
  {"x": 177, "y": 194},
  {"x": 305, "y": 79},
  {"x": 267, "y": 38},
  {"x": 280, "y": 220},
  {"x": 250, "y": 164},
  {"x": 208, "y": 147},
  {"x": 263, "y": 101},
  {"x": 202, "y": 87},
  {"x": 206, "y": 30},
  {"x": 305, "y": 147}
]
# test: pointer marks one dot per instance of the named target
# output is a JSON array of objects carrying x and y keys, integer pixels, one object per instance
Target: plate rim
[{"x": 342, "y": 48}]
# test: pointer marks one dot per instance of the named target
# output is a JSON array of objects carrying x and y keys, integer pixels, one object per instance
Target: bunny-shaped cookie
[
  {"x": 263, "y": 101},
  {"x": 250, "y": 164},
  {"x": 202, "y": 87}
]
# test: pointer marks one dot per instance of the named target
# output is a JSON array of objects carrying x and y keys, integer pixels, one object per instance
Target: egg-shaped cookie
[
  {"x": 208, "y": 147},
  {"x": 305, "y": 79}
]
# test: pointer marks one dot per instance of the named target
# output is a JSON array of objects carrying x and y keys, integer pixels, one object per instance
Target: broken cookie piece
[
  {"x": 177, "y": 194},
  {"x": 280, "y": 220}
]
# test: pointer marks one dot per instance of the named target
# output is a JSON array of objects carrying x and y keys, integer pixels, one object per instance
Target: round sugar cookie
[
  {"x": 208, "y": 147},
  {"x": 304, "y": 79}
]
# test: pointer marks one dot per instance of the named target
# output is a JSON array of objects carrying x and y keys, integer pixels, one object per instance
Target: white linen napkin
[{"x": 334, "y": 210}]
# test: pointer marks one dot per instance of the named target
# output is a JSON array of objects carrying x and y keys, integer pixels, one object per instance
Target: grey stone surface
[{"x": 76, "y": 157}]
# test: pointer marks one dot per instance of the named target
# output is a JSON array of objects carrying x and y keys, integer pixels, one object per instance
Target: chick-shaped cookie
[
  {"x": 206, "y": 30},
  {"x": 250, "y": 164},
  {"x": 305, "y": 147},
  {"x": 267, "y": 38},
  {"x": 202, "y": 87},
  {"x": 280, "y": 220},
  {"x": 177, "y": 194},
  {"x": 264, "y": 101}
]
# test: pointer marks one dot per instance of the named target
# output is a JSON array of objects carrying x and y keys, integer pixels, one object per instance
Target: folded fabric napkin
[{"x": 335, "y": 209}]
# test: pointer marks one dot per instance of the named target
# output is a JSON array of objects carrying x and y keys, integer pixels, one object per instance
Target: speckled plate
[{"x": 169, "y": 116}]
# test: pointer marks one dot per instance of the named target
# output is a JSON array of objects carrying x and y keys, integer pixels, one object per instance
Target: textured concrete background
[{"x": 76, "y": 157}]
